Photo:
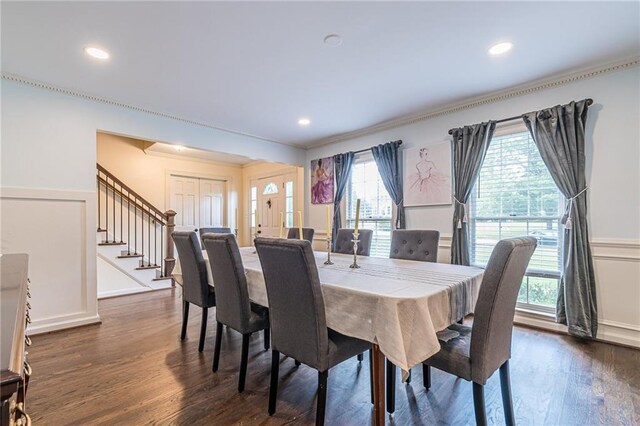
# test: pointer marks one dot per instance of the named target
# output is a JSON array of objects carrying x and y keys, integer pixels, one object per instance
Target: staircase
[{"x": 134, "y": 237}]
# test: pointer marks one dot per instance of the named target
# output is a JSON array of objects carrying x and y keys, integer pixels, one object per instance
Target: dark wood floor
[{"x": 132, "y": 369}]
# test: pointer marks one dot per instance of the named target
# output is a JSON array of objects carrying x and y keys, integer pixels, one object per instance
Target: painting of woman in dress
[
  {"x": 427, "y": 178},
  {"x": 322, "y": 181}
]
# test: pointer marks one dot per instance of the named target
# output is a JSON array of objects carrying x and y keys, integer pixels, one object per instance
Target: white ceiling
[{"x": 256, "y": 67}]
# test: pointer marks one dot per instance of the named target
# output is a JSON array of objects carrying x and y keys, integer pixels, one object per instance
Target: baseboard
[
  {"x": 608, "y": 331},
  {"x": 61, "y": 323},
  {"x": 122, "y": 292}
]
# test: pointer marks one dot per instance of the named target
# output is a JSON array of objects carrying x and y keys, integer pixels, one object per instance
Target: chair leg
[
  {"x": 322, "y": 396},
  {"x": 478, "y": 404},
  {"x": 426, "y": 376},
  {"x": 185, "y": 318},
  {"x": 391, "y": 387},
  {"x": 203, "y": 328},
  {"x": 371, "y": 375},
  {"x": 360, "y": 357},
  {"x": 505, "y": 387},
  {"x": 216, "y": 351},
  {"x": 273, "y": 389},
  {"x": 243, "y": 361},
  {"x": 267, "y": 339}
]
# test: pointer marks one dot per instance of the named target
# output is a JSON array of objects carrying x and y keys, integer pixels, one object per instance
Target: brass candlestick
[
  {"x": 328, "y": 261},
  {"x": 355, "y": 265}
]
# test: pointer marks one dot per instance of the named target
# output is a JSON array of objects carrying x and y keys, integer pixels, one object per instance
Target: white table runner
[{"x": 397, "y": 304}]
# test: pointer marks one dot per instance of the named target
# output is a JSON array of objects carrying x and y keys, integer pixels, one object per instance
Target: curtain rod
[
  {"x": 517, "y": 117},
  {"x": 369, "y": 149}
]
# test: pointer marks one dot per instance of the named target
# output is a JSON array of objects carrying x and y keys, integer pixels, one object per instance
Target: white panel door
[
  {"x": 270, "y": 205},
  {"x": 211, "y": 203},
  {"x": 184, "y": 200}
]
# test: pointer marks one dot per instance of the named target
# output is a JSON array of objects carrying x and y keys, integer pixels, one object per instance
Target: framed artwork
[
  {"x": 427, "y": 175},
  {"x": 322, "y": 181}
]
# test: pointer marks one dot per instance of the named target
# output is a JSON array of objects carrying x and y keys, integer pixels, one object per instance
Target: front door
[{"x": 270, "y": 205}]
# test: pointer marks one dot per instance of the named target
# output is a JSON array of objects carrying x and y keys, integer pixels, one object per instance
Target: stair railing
[{"x": 130, "y": 220}]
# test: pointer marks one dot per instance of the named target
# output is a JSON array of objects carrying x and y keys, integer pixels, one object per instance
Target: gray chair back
[
  {"x": 415, "y": 244},
  {"x": 233, "y": 307},
  {"x": 344, "y": 245},
  {"x": 495, "y": 308},
  {"x": 296, "y": 305},
  {"x": 203, "y": 231},
  {"x": 307, "y": 234},
  {"x": 195, "y": 286}
]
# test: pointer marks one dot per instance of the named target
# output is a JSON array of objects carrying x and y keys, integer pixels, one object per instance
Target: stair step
[
  {"x": 112, "y": 243},
  {"x": 161, "y": 278},
  {"x": 126, "y": 256},
  {"x": 147, "y": 267}
]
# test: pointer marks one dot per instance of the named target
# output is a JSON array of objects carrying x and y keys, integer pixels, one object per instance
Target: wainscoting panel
[{"x": 57, "y": 230}]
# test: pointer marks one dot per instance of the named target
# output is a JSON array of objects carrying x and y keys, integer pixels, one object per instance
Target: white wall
[
  {"x": 48, "y": 157},
  {"x": 613, "y": 175}
]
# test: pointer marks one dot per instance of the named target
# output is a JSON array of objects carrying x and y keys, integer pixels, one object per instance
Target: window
[
  {"x": 270, "y": 188},
  {"x": 375, "y": 205},
  {"x": 288, "y": 201},
  {"x": 515, "y": 196},
  {"x": 254, "y": 205}
]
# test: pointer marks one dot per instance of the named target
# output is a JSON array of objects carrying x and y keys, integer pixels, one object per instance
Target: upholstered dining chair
[
  {"x": 484, "y": 347},
  {"x": 344, "y": 244},
  {"x": 415, "y": 244},
  {"x": 233, "y": 306},
  {"x": 203, "y": 231},
  {"x": 195, "y": 285},
  {"x": 307, "y": 234},
  {"x": 409, "y": 244},
  {"x": 297, "y": 315}
]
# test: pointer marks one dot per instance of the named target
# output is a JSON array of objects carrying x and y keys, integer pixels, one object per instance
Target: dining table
[{"x": 399, "y": 306}]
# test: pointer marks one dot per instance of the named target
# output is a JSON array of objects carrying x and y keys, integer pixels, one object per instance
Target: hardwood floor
[{"x": 133, "y": 369}]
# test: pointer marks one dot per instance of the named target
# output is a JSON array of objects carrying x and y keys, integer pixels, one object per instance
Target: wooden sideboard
[{"x": 14, "y": 314}]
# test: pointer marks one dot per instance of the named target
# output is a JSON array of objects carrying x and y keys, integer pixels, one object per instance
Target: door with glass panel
[{"x": 270, "y": 205}]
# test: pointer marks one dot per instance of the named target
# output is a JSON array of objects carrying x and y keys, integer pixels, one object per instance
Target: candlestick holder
[
  {"x": 328, "y": 261},
  {"x": 355, "y": 265}
]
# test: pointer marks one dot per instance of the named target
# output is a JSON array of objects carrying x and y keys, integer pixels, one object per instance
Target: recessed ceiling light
[
  {"x": 333, "y": 40},
  {"x": 304, "y": 122},
  {"x": 97, "y": 53},
  {"x": 179, "y": 148},
  {"x": 500, "y": 48}
]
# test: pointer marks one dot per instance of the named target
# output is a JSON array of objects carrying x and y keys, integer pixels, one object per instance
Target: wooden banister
[{"x": 169, "y": 260}]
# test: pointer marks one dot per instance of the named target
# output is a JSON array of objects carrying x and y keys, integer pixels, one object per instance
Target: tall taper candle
[
  {"x": 328, "y": 223},
  {"x": 281, "y": 222},
  {"x": 355, "y": 231},
  {"x": 300, "y": 224}
]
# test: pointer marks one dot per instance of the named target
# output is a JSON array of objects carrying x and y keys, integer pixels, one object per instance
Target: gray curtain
[
  {"x": 342, "y": 164},
  {"x": 469, "y": 146},
  {"x": 387, "y": 158},
  {"x": 559, "y": 135}
]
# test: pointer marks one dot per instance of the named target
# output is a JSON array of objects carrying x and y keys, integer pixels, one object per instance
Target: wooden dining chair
[
  {"x": 344, "y": 243},
  {"x": 307, "y": 234},
  {"x": 485, "y": 347},
  {"x": 297, "y": 314},
  {"x": 409, "y": 244},
  {"x": 233, "y": 308},
  {"x": 203, "y": 231},
  {"x": 195, "y": 285}
]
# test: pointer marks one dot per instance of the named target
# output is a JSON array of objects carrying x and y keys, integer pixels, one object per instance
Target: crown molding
[
  {"x": 41, "y": 85},
  {"x": 498, "y": 96}
]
